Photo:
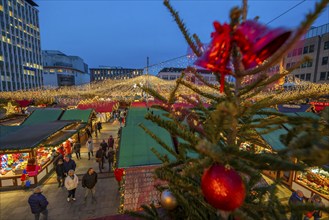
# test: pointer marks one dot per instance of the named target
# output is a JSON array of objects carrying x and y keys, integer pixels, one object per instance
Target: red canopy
[
  {"x": 98, "y": 106},
  {"x": 23, "y": 103}
]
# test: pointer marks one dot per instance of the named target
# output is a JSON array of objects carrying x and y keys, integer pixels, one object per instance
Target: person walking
[
  {"x": 296, "y": 198},
  {"x": 76, "y": 149},
  {"x": 71, "y": 184},
  {"x": 68, "y": 165},
  {"x": 90, "y": 147},
  {"x": 99, "y": 158},
  {"x": 38, "y": 203},
  {"x": 104, "y": 146},
  {"x": 60, "y": 173},
  {"x": 89, "y": 181},
  {"x": 110, "y": 142},
  {"x": 99, "y": 126},
  {"x": 110, "y": 158},
  {"x": 88, "y": 132}
]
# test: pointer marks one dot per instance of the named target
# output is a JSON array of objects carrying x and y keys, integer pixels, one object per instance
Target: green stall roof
[
  {"x": 39, "y": 116},
  {"x": 77, "y": 114},
  {"x": 136, "y": 144},
  {"x": 31, "y": 136},
  {"x": 5, "y": 130}
]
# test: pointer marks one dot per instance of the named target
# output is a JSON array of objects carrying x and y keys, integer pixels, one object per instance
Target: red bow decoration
[
  {"x": 217, "y": 56},
  {"x": 256, "y": 43},
  {"x": 118, "y": 173}
]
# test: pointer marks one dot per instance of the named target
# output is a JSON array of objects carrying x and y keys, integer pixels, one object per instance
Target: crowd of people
[
  {"x": 298, "y": 198},
  {"x": 65, "y": 167}
]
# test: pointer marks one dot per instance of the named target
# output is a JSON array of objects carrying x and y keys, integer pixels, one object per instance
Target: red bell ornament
[
  {"x": 223, "y": 187},
  {"x": 257, "y": 42}
]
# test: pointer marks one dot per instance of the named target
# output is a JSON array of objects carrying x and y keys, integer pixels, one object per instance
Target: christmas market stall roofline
[{"x": 30, "y": 136}]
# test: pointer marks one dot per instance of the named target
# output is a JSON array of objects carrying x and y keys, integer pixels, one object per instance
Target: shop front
[
  {"x": 314, "y": 180},
  {"x": 23, "y": 152}
]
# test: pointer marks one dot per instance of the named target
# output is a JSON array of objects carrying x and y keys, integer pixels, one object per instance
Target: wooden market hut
[
  {"x": 313, "y": 181},
  {"x": 27, "y": 140},
  {"x": 38, "y": 135}
]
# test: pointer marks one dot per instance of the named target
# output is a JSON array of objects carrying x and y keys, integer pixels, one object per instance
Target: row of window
[
  {"x": 174, "y": 77},
  {"x": 304, "y": 76},
  {"x": 308, "y": 64},
  {"x": 304, "y": 65},
  {"x": 300, "y": 51},
  {"x": 324, "y": 76},
  {"x": 306, "y": 49}
]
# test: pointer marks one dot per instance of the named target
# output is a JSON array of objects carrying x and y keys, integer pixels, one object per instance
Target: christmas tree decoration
[
  {"x": 217, "y": 56},
  {"x": 223, "y": 187},
  {"x": 257, "y": 42},
  {"x": 168, "y": 200},
  {"x": 118, "y": 174}
]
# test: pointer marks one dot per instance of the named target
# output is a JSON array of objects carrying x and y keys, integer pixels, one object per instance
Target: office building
[
  {"x": 63, "y": 70},
  {"x": 20, "y": 52},
  {"x": 103, "y": 72},
  {"x": 316, "y": 46}
]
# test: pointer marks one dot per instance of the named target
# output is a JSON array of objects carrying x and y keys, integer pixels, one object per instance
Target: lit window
[
  {"x": 305, "y": 50},
  {"x": 10, "y": 13},
  {"x": 1, "y": 8},
  {"x": 326, "y": 45},
  {"x": 52, "y": 70},
  {"x": 1, "y": 58},
  {"x": 309, "y": 64},
  {"x": 311, "y": 50}
]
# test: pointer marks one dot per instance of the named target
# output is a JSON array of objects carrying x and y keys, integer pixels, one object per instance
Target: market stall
[
  {"x": 314, "y": 180},
  {"x": 28, "y": 152},
  {"x": 85, "y": 119}
]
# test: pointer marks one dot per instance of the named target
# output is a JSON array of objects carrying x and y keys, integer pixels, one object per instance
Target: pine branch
[
  {"x": 172, "y": 97},
  {"x": 200, "y": 77},
  {"x": 198, "y": 91},
  {"x": 182, "y": 28},
  {"x": 171, "y": 126},
  {"x": 153, "y": 93}
]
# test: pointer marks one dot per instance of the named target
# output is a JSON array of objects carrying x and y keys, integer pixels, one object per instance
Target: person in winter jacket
[
  {"x": 71, "y": 184},
  {"x": 89, "y": 181},
  {"x": 68, "y": 164},
  {"x": 90, "y": 147},
  {"x": 110, "y": 158},
  {"x": 110, "y": 142},
  {"x": 60, "y": 173},
  {"x": 76, "y": 149},
  {"x": 296, "y": 198},
  {"x": 99, "y": 159},
  {"x": 38, "y": 203}
]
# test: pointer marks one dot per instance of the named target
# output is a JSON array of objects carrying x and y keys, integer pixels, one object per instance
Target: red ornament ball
[{"x": 223, "y": 187}]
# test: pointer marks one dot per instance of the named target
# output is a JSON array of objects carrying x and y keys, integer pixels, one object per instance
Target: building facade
[
  {"x": 103, "y": 72},
  {"x": 316, "y": 46},
  {"x": 20, "y": 51},
  {"x": 63, "y": 70},
  {"x": 172, "y": 73}
]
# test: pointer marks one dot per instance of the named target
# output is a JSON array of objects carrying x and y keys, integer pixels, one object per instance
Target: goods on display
[
  {"x": 316, "y": 179},
  {"x": 13, "y": 162}
]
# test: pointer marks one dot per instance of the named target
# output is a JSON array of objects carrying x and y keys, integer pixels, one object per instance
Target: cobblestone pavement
[{"x": 14, "y": 205}]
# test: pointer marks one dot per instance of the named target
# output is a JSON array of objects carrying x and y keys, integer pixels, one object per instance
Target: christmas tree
[{"x": 211, "y": 176}]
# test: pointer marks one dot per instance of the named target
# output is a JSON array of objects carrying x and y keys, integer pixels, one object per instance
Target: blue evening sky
[{"x": 123, "y": 33}]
